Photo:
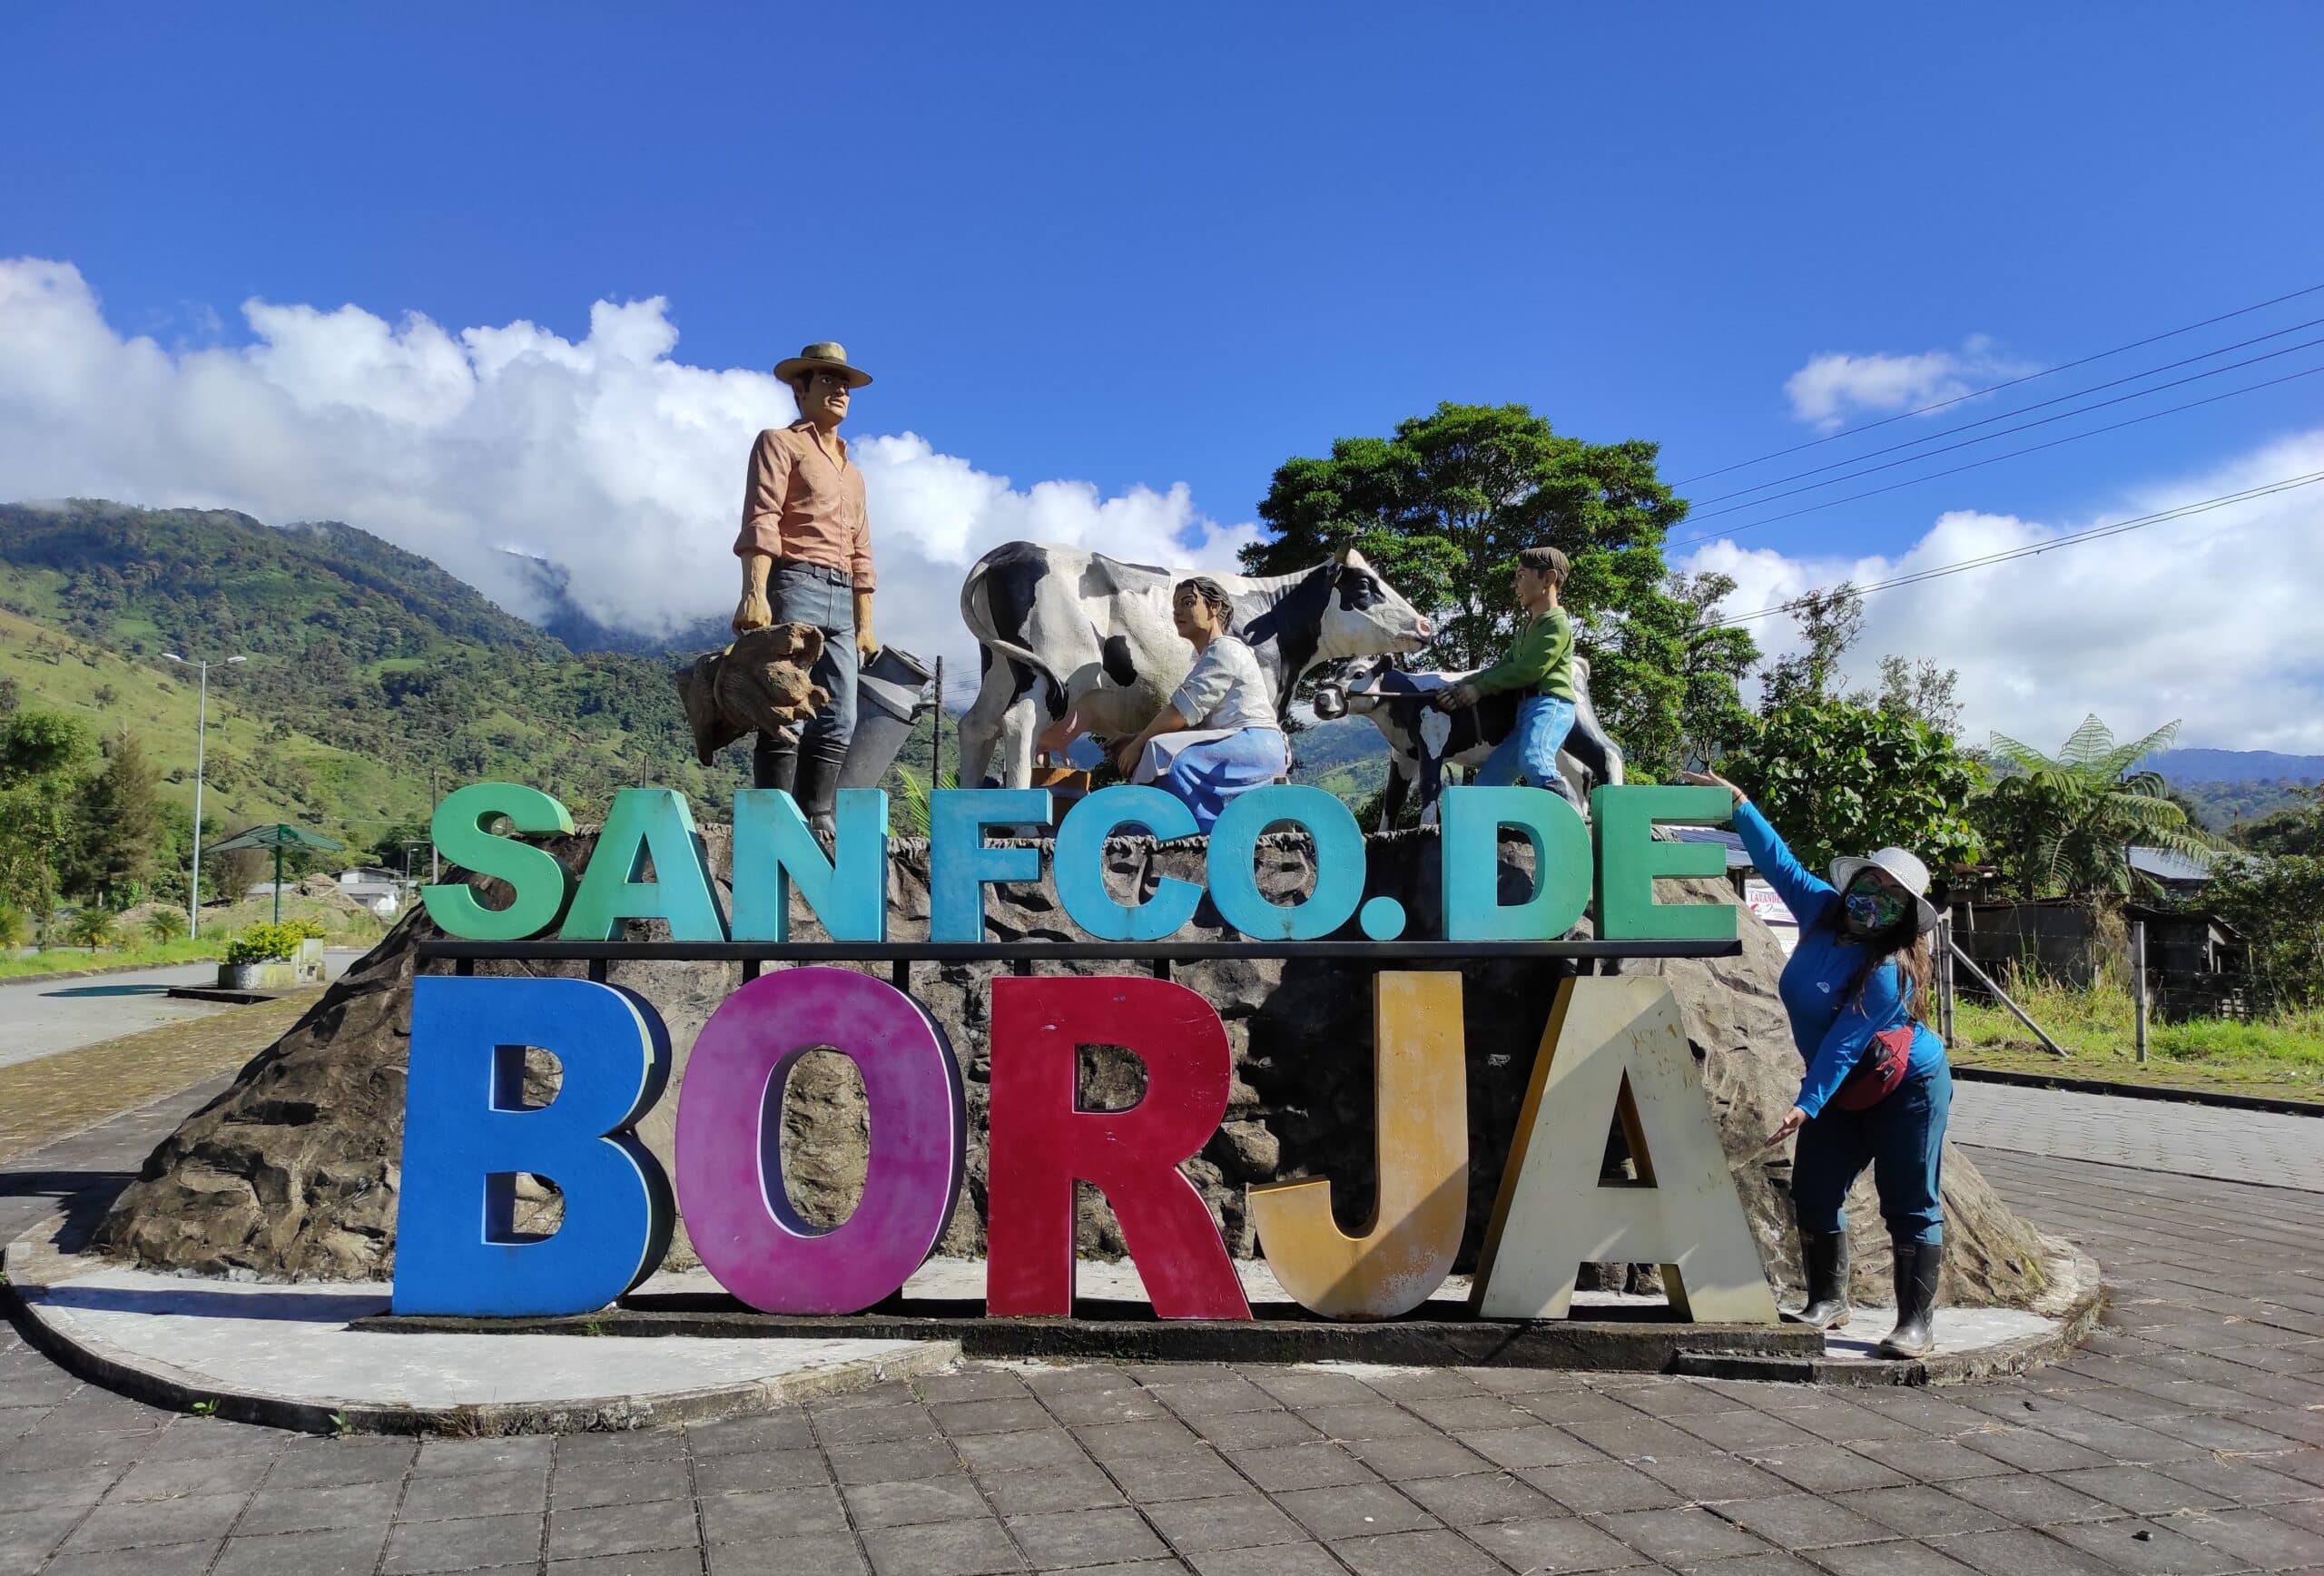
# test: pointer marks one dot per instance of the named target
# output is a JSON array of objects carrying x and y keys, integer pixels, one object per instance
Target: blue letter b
[{"x": 467, "y": 1135}]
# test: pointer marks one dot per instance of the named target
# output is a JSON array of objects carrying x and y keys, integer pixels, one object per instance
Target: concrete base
[
  {"x": 284, "y": 1355},
  {"x": 1608, "y": 1331},
  {"x": 331, "y": 1357},
  {"x": 230, "y": 996}
]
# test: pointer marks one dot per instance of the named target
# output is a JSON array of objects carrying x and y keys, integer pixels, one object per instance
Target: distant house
[
  {"x": 2182, "y": 875},
  {"x": 379, "y": 891}
]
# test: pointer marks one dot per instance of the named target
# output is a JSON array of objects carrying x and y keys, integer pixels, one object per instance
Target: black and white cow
[
  {"x": 1423, "y": 740},
  {"x": 1065, "y": 628}
]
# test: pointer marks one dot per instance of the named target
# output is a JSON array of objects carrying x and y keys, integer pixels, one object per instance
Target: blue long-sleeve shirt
[{"x": 1828, "y": 1023}]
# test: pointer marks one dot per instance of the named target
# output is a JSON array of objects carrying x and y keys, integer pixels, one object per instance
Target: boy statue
[{"x": 1541, "y": 665}]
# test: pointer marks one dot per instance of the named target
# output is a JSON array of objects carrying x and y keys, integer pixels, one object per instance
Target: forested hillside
[{"x": 368, "y": 665}]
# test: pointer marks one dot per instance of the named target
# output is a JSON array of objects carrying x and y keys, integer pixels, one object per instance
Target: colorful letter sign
[
  {"x": 730, "y": 1141},
  {"x": 1423, "y": 1144},
  {"x": 1616, "y": 1045},
  {"x": 1042, "y": 1143}
]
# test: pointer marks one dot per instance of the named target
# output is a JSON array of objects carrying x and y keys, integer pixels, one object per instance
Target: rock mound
[{"x": 292, "y": 1172}]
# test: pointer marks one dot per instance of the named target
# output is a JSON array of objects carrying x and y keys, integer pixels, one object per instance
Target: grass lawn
[
  {"x": 344, "y": 926},
  {"x": 2282, "y": 1057},
  {"x": 143, "y": 954}
]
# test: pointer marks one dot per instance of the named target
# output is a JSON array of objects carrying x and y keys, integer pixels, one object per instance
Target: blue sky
[{"x": 1158, "y": 245}]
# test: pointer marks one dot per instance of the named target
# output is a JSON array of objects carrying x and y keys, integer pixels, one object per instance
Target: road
[{"x": 41, "y": 1019}]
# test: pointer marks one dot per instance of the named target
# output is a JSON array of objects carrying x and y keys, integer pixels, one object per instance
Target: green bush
[
  {"x": 307, "y": 925},
  {"x": 16, "y": 927},
  {"x": 265, "y": 945},
  {"x": 164, "y": 925},
  {"x": 91, "y": 928}
]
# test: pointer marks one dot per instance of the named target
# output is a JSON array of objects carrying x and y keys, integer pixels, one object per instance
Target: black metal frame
[{"x": 1159, "y": 956}]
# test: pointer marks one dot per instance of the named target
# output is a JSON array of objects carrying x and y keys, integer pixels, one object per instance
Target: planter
[{"x": 272, "y": 974}]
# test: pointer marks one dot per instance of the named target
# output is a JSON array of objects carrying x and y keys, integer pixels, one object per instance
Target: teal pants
[{"x": 1902, "y": 1139}]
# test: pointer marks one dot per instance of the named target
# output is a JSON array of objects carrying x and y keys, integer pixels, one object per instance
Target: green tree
[
  {"x": 91, "y": 928},
  {"x": 118, "y": 837},
  {"x": 2298, "y": 829},
  {"x": 1712, "y": 718},
  {"x": 164, "y": 925},
  {"x": 2063, "y": 825},
  {"x": 2277, "y": 905},
  {"x": 42, "y": 757},
  {"x": 1835, "y": 776},
  {"x": 1830, "y": 621},
  {"x": 1922, "y": 689},
  {"x": 1441, "y": 508}
]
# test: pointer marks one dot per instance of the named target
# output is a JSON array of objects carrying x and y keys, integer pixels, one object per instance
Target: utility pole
[
  {"x": 201, "y": 740},
  {"x": 435, "y": 799},
  {"x": 936, "y": 744}
]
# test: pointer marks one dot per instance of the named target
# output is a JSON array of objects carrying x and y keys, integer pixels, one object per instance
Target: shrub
[
  {"x": 91, "y": 928},
  {"x": 15, "y": 928},
  {"x": 307, "y": 925},
  {"x": 265, "y": 943},
  {"x": 165, "y": 925}
]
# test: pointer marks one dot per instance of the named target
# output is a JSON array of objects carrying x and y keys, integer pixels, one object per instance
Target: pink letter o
[{"x": 730, "y": 1174}]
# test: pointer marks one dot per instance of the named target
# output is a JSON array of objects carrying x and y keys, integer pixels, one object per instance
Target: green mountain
[{"x": 368, "y": 668}]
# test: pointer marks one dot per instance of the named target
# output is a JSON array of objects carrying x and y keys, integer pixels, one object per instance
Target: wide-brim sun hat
[
  {"x": 1900, "y": 865},
  {"x": 822, "y": 356}
]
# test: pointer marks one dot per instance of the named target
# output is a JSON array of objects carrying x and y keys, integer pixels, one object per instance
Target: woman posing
[
  {"x": 1877, "y": 1090},
  {"x": 1219, "y": 737}
]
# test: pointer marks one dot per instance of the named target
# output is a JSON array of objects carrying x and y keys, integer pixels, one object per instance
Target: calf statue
[
  {"x": 1064, "y": 630},
  {"x": 1423, "y": 740}
]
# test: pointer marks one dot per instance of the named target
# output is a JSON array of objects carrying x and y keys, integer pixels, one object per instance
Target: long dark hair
[{"x": 1915, "y": 958}]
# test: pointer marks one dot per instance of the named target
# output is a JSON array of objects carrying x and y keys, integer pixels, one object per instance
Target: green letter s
[{"x": 544, "y": 886}]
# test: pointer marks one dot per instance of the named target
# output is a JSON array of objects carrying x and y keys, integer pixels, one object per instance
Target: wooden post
[
  {"x": 1945, "y": 978},
  {"x": 2138, "y": 982},
  {"x": 1985, "y": 979}
]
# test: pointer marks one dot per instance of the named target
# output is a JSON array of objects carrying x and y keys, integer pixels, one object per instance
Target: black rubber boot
[
  {"x": 775, "y": 760},
  {"x": 1824, "y": 1256},
  {"x": 1918, "y": 1265},
  {"x": 817, "y": 792}
]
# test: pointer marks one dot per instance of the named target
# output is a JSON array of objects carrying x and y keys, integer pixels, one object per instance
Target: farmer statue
[{"x": 806, "y": 552}]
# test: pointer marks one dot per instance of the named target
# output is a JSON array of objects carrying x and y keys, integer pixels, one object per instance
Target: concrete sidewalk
[{"x": 2196, "y": 1140}]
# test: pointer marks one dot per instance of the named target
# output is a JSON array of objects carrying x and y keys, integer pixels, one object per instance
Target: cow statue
[
  {"x": 1062, "y": 628},
  {"x": 1423, "y": 740}
]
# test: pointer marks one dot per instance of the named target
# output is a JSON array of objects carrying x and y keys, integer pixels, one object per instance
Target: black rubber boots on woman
[
  {"x": 1824, "y": 1256},
  {"x": 1918, "y": 1266}
]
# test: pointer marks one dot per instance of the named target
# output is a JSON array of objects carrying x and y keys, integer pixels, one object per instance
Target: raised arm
[{"x": 1807, "y": 895}]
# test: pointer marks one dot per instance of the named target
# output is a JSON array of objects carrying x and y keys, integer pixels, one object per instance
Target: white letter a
[{"x": 1616, "y": 1045}]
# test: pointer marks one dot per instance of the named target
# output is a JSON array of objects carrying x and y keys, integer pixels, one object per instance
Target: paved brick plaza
[{"x": 2189, "y": 1436}]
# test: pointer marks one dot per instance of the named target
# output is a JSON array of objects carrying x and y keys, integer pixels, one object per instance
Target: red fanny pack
[{"x": 1879, "y": 1071}]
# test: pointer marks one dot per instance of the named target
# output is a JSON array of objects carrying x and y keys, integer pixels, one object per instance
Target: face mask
[{"x": 1872, "y": 909}]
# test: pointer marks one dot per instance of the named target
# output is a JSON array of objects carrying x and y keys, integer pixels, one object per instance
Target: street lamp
[{"x": 200, "y": 732}]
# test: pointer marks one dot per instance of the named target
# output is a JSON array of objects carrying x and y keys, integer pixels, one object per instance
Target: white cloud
[
  {"x": 1833, "y": 388},
  {"x": 2210, "y": 619},
  {"x": 485, "y": 448}
]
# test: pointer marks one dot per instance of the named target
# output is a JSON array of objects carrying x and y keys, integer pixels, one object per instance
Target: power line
[
  {"x": 2033, "y": 549},
  {"x": 1996, "y": 388},
  {"x": 2006, "y": 432},
  {"x": 1997, "y": 458},
  {"x": 2037, "y": 405}
]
